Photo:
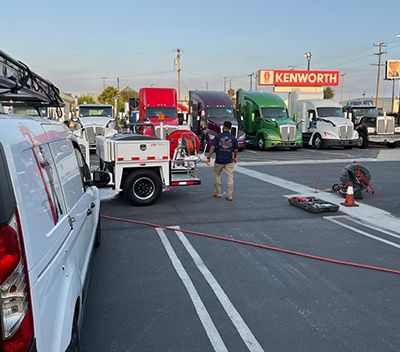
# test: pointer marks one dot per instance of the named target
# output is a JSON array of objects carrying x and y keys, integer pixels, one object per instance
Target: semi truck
[
  {"x": 154, "y": 102},
  {"x": 94, "y": 119},
  {"x": 321, "y": 121},
  {"x": 209, "y": 110},
  {"x": 265, "y": 120},
  {"x": 372, "y": 127}
]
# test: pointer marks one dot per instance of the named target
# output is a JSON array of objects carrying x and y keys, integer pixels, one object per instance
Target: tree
[
  {"x": 328, "y": 93},
  {"x": 86, "y": 99},
  {"x": 107, "y": 95}
]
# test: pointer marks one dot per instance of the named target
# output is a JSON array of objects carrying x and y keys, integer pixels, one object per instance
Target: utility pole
[
  {"x": 104, "y": 82},
  {"x": 118, "y": 84},
  {"x": 251, "y": 80},
  {"x": 178, "y": 64},
  {"x": 342, "y": 93},
  {"x": 379, "y": 54},
  {"x": 393, "y": 88},
  {"x": 206, "y": 84},
  {"x": 225, "y": 78},
  {"x": 255, "y": 80},
  {"x": 230, "y": 83}
]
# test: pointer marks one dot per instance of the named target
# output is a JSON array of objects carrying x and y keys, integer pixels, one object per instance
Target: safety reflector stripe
[
  {"x": 151, "y": 158},
  {"x": 135, "y": 158},
  {"x": 120, "y": 159},
  {"x": 185, "y": 183},
  {"x": 165, "y": 157}
]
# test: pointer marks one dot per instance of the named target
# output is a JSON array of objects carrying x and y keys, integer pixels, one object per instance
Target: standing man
[{"x": 225, "y": 146}]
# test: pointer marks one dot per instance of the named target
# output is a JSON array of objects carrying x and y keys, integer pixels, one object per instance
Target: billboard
[
  {"x": 298, "y": 78},
  {"x": 393, "y": 69}
]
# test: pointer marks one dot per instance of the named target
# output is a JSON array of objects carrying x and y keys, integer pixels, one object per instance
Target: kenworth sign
[{"x": 297, "y": 78}]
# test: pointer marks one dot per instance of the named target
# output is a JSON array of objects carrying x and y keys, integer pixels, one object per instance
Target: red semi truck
[{"x": 156, "y": 101}]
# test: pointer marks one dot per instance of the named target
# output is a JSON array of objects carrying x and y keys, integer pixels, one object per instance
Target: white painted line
[
  {"x": 242, "y": 328},
  {"x": 361, "y": 232},
  {"x": 204, "y": 316},
  {"x": 364, "y": 212},
  {"x": 362, "y": 223}
]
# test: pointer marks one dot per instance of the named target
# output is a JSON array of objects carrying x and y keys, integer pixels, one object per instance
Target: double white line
[{"x": 208, "y": 324}]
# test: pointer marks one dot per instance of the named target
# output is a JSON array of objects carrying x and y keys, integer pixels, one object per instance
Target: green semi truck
[{"x": 265, "y": 120}]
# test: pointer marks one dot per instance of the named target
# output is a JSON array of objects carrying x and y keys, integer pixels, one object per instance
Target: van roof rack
[{"x": 18, "y": 84}]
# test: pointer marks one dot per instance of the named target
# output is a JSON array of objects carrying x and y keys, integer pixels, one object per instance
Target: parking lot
[{"x": 158, "y": 290}]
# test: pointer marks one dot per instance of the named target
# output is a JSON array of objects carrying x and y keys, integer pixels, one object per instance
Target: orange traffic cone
[{"x": 349, "y": 201}]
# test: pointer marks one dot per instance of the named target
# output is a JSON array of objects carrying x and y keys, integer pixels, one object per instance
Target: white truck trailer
[{"x": 321, "y": 121}]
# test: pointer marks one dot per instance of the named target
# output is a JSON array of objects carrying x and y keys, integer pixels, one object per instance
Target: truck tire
[
  {"x": 317, "y": 141},
  {"x": 261, "y": 143},
  {"x": 391, "y": 145},
  {"x": 362, "y": 140},
  {"x": 142, "y": 187}
]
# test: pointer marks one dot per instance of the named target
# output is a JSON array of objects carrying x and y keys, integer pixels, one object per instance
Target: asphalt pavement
[{"x": 156, "y": 290}]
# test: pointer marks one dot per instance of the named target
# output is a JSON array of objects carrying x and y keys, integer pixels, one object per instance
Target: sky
[{"x": 81, "y": 44}]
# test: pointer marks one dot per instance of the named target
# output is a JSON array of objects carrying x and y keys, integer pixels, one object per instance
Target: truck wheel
[
  {"x": 391, "y": 145},
  {"x": 317, "y": 141},
  {"x": 261, "y": 143},
  {"x": 143, "y": 187},
  {"x": 362, "y": 140}
]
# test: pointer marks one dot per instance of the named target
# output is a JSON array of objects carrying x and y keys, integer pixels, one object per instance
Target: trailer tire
[
  {"x": 142, "y": 187},
  {"x": 261, "y": 143},
  {"x": 317, "y": 141},
  {"x": 362, "y": 140}
]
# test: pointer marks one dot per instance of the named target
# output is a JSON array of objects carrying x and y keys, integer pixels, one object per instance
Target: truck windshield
[
  {"x": 29, "y": 111},
  {"x": 168, "y": 112},
  {"x": 220, "y": 113},
  {"x": 330, "y": 112},
  {"x": 367, "y": 111},
  {"x": 276, "y": 113},
  {"x": 85, "y": 111}
]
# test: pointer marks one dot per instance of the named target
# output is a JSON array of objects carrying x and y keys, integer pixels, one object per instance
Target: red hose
[{"x": 257, "y": 245}]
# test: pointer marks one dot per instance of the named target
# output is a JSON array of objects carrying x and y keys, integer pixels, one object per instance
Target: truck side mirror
[
  {"x": 241, "y": 118},
  {"x": 252, "y": 116},
  {"x": 311, "y": 116}
]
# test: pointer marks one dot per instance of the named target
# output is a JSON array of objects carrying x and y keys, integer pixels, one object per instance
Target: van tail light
[{"x": 16, "y": 321}]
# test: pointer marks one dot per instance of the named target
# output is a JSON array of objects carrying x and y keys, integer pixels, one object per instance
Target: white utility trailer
[{"x": 141, "y": 166}]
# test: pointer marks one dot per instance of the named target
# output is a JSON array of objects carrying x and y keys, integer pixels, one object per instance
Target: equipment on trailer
[
  {"x": 358, "y": 176},
  {"x": 141, "y": 165}
]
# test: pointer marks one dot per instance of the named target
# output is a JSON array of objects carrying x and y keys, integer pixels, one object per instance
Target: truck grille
[
  {"x": 288, "y": 132},
  {"x": 92, "y": 132},
  {"x": 385, "y": 125},
  {"x": 345, "y": 132}
]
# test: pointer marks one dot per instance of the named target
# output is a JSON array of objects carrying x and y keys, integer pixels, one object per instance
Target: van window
[
  {"x": 35, "y": 192},
  {"x": 68, "y": 171},
  {"x": 7, "y": 200}
]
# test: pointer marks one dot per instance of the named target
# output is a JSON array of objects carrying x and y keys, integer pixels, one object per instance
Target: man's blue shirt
[{"x": 225, "y": 143}]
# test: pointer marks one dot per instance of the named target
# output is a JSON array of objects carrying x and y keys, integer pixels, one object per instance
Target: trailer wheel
[
  {"x": 143, "y": 187},
  {"x": 261, "y": 143},
  {"x": 362, "y": 140},
  {"x": 317, "y": 141}
]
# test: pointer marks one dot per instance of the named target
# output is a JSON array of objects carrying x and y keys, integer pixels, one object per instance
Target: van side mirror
[{"x": 100, "y": 178}]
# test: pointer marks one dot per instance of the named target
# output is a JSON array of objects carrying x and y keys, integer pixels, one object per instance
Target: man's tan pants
[{"x": 228, "y": 168}]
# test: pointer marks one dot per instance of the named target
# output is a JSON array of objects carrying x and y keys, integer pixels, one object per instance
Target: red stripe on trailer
[
  {"x": 165, "y": 157},
  {"x": 120, "y": 159},
  {"x": 151, "y": 158},
  {"x": 135, "y": 158},
  {"x": 185, "y": 183}
]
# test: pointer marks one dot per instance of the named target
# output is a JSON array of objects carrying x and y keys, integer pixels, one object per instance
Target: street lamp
[{"x": 308, "y": 56}]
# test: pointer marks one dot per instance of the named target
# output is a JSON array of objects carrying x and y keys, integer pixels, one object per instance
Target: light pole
[
  {"x": 206, "y": 84},
  {"x": 398, "y": 108},
  {"x": 308, "y": 56}
]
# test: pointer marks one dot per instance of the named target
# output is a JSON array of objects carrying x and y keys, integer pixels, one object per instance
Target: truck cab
[
  {"x": 321, "y": 121},
  {"x": 209, "y": 111},
  {"x": 94, "y": 119},
  {"x": 265, "y": 120},
  {"x": 156, "y": 102},
  {"x": 372, "y": 127}
]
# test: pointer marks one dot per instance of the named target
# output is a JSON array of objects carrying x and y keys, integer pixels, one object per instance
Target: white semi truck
[{"x": 321, "y": 121}]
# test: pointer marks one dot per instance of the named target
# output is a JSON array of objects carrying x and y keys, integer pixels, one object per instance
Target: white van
[{"x": 49, "y": 225}]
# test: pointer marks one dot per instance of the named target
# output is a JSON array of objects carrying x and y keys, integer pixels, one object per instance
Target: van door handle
[
  {"x": 71, "y": 221},
  {"x": 89, "y": 212},
  {"x": 92, "y": 205}
]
